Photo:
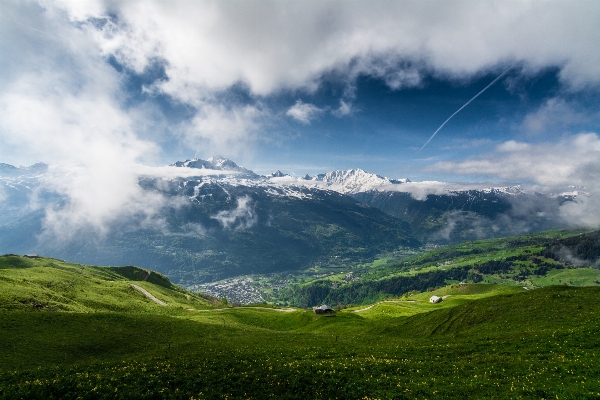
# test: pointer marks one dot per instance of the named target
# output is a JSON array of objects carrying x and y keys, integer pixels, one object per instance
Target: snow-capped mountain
[
  {"x": 218, "y": 163},
  {"x": 354, "y": 181},
  {"x": 345, "y": 182},
  {"x": 278, "y": 174},
  {"x": 236, "y": 221},
  {"x": 7, "y": 170},
  {"x": 17, "y": 186},
  {"x": 436, "y": 211}
]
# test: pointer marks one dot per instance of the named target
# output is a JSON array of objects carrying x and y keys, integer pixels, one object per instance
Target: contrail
[{"x": 466, "y": 104}]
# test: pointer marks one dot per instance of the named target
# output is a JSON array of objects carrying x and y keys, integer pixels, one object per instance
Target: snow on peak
[
  {"x": 11, "y": 170},
  {"x": 504, "y": 190},
  {"x": 220, "y": 162},
  {"x": 217, "y": 163},
  {"x": 278, "y": 174},
  {"x": 354, "y": 181},
  {"x": 346, "y": 182}
]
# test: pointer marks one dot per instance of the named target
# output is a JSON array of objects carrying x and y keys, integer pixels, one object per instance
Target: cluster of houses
[{"x": 237, "y": 290}]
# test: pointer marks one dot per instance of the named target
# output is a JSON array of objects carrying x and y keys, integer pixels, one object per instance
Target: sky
[{"x": 117, "y": 87}]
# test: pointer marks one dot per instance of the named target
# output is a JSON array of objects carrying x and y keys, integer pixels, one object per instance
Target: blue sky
[{"x": 304, "y": 87}]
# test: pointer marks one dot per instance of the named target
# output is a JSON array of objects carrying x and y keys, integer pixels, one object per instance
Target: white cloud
[
  {"x": 343, "y": 110},
  {"x": 303, "y": 112},
  {"x": 420, "y": 190},
  {"x": 169, "y": 172},
  {"x": 554, "y": 114},
  {"x": 269, "y": 46},
  {"x": 242, "y": 217},
  {"x": 571, "y": 161},
  {"x": 513, "y": 146},
  {"x": 96, "y": 198},
  {"x": 62, "y": 103},
  {"x": 222, "y": 129},
  {"x": 462, "y": 144}
]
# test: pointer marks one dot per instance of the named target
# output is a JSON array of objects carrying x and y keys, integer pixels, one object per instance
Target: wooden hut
[{"x": 323, "y": 309}]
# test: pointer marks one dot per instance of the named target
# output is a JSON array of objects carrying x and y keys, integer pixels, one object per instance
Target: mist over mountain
[
  {"x": 211, "y": 226},
  {"x": 214, "y": 227},
  {"x": 470, "y": 214}
]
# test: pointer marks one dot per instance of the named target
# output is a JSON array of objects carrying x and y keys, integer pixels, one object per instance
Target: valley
[
  {"x": 231, "y": 222},
  {"x": 534, "y": 260}
]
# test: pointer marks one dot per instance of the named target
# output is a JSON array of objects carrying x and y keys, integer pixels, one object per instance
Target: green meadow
[{"x": 78, "y": 332}]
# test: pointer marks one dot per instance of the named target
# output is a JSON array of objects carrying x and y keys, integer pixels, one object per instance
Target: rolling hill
[{"x": 46, "y": 284}]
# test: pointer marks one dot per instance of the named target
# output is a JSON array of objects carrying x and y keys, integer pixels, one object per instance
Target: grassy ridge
[{"x": 54, "y": 285}]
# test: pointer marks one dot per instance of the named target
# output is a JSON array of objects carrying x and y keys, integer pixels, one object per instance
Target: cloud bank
[
  {"x": 572, "y": 161},
  {"x": 241, "y": 217}
]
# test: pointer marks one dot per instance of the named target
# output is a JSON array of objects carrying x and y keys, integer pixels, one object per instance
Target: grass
[
  {"x": 55, "y": 285},
  {"x": 482, "y": 341},
  {"x": 419, "y": 303},
  {"x": 576, "y": 277}
]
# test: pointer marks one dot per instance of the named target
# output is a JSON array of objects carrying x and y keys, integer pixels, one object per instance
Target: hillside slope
[
  {"x": 549, "y": 258},
  {"x": 46, "y": 284},
  {"x": 458, "y": 216}
]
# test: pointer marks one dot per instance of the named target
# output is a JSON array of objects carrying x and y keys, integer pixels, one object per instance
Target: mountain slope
[
  {"x": 522, "y": 261},
  {"x": 459, "y": 216},
  {"x": 535, "y": 344},
  {"x": 239, "y": 222},
  {"x": 219, "y": 230},
  {"x": 46, "y": 284}
]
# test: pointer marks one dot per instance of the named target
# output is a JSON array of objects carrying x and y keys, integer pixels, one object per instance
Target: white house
[{"x": 435, "y": 299}]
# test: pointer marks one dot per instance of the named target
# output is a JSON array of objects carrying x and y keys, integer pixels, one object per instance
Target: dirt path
[
  {"x": 366, "y": 308},
  {"x": 274, "y": 309},
  {"x": 385, "y": 301},
  {"x": 149, "y": 295}
]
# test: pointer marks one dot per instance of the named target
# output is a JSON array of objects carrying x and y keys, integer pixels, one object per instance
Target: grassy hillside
[
  {"x": 95, "y": 338},
  {"x": 549, "y": 258},
  {"x": 53, "y": 285}
]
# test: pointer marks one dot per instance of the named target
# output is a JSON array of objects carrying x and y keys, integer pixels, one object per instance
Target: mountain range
[{"x": 240, "y": 222}]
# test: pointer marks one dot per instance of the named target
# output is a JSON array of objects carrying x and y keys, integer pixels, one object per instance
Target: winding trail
[
  {"x": 366, "y": 308},
  {"x": 149, "y": 295},
  {"x": 385, "y": 301}
]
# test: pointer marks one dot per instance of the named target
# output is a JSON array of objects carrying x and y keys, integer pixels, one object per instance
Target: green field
[{"x": 76, "y": 332}]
